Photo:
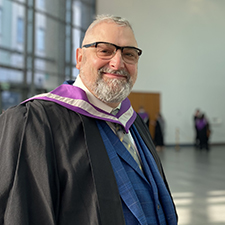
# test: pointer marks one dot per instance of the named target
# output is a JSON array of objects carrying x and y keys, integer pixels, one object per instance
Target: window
[
  {"x": 41, "y": 4},
  {"x": 56, "y": 26},
  {"x": 0, "y": 20},
  {"x": 40, "y": 39},
  {"x": 77, "y": 13},
  {"x": 20, "y": 30}
]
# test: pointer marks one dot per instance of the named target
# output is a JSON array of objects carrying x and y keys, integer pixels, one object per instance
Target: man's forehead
[{"x": 106, "y": 31}]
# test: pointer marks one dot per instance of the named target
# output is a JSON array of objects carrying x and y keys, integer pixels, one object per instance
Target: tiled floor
[{"x": 197, "y": 182}]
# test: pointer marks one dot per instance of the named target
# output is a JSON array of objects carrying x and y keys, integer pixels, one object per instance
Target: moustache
[{"x": 116, "y": 72}]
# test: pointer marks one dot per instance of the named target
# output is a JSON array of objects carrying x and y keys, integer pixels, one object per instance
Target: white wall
[{"x": 183, "y": 43}]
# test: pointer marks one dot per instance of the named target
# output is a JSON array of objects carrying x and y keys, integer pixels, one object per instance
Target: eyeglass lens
[{"x": 107, "y": 51}]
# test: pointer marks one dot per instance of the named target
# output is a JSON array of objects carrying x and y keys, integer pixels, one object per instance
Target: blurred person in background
[
  {"x": 159, "y": 132},
  {"x": 196, "y": 116},
  {"x": 144, "y": 115},
  {"x": 203, "y": 130}
]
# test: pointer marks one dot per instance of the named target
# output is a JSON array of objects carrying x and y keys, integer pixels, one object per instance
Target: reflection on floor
[{"x": 197, "y": 182}]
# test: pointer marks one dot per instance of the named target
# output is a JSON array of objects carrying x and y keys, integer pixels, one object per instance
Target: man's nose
[{"x": 116, "y": 62}]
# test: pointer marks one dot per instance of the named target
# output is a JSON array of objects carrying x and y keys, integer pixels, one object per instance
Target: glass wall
[{"x": 38, "y": 41}]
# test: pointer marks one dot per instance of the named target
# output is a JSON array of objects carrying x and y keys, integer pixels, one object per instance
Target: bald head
[{"x": 104, "y": 19}]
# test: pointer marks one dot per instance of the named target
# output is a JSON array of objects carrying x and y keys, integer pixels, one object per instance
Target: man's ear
[{"x": 79, "y": 55}]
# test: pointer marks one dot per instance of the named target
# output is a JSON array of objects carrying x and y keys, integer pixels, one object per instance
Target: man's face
[{"x": 109, "y": 80}]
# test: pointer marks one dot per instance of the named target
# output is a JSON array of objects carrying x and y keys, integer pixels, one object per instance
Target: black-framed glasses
[{"x": 105, "y": 50}]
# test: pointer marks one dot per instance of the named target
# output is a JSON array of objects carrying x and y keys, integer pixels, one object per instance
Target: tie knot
[
  {"x": 119, "y": 128},
  {"x": 115, "y": 111}
]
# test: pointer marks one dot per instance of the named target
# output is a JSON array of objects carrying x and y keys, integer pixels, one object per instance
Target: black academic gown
[{"x": 54, "y": 168}]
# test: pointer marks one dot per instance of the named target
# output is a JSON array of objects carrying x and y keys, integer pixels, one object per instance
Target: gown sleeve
[{"x": 28, "y": 175}]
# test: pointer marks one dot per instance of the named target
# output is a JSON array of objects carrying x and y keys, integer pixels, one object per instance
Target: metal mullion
[
  {"x": 12, "y": 51},
  {"x": 11, "y": 67},
  {"x": 71, "y": 38},
  {"x": 24, "y": 91},
  {"x": 32, "y": 89}
]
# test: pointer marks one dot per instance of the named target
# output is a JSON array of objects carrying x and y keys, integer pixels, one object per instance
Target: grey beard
[{"x": 112, "y": 90}]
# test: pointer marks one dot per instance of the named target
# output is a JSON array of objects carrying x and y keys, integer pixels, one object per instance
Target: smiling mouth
[
  {"x": 114, "y": 75},
  {"x": 108, "y": 73}
]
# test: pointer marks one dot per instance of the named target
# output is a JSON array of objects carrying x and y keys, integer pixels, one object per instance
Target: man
[
  {"x": 197, "y": 115},
  {"x": 61, "y": 161},
  {"x": 144, "y": 115}
]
